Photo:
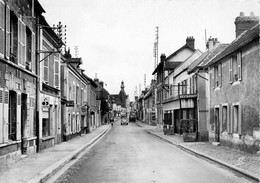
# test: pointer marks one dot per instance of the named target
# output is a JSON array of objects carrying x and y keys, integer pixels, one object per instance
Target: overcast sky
[{"x": 115, "y": 38}]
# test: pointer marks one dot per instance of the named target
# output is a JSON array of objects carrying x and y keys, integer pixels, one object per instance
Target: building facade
[
  {"x": 234, "y": 89},
  {"x": 18, "y": 78},
  {"x": 49, "y": 87}
]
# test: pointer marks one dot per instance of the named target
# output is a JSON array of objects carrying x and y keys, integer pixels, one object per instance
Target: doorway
[
  {"x": 23, "y": 122},
  {"x": 217, "y": 125}
]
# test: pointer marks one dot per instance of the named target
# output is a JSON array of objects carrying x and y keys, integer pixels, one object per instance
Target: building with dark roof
[
  {"x": 166, "y": 65},
  {"x": 234, "y": 89}
]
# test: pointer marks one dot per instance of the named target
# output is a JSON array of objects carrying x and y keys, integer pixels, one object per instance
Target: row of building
[
  {"x": 45, "y": 97},
  {"x": 215, "y": 93}
]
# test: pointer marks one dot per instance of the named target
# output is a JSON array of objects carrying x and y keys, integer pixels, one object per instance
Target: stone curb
[
  {"x": 44, "y": 175},
  {"x": 244, "y": 172}
]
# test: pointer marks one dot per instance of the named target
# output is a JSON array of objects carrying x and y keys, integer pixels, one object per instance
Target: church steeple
[
  {"x": 122, "y": 95},
  {"x": 122, "y": 85}
]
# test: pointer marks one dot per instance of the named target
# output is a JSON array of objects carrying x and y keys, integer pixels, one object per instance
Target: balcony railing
[{"x": 177, "y": 97}]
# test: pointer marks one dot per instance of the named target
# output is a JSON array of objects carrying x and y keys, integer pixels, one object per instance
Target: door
[
  {"x": 12, "y": 115},
  {"x": 23, "y": 122},
  {"x": 217, "y": 131}
]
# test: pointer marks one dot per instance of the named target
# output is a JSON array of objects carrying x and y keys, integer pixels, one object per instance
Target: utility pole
[
  {"x": 144, "y": 81},
  {"x": 156, "y": 47}
]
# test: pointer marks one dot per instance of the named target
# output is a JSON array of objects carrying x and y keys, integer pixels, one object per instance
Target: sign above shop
[{"x": 70, "y": 103}]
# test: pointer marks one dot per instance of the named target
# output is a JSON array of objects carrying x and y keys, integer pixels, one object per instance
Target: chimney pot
[{"x": 244, "y": 23}]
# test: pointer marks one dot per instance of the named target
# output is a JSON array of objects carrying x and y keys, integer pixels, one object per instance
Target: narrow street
[{"x": 130, "y": 154}]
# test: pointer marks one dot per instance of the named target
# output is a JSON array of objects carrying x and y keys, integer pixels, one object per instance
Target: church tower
[{"x": 122, "y": 95}]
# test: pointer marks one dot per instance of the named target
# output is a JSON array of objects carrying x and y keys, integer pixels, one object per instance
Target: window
[
  {"x": 21, "y": 42},
  {"x": 77, "y": 95},
  {"x": 217, "y": 75},
  {"x": 74, "y": 92},
  {"x": 82, "y": 96},
  {"x": 236, "y": 116},
  {"x": 235, "y": 68},
  {"x": 28, "y": 49},
  {"x": 224, "y": 118},
  {"x": 13, "y": 38},
  {"x": 2, "y": 28},
  {"x": 45, "y": 127}
]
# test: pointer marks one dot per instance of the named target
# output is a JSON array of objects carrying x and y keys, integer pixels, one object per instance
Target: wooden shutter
[
  {"x": 219, "y": 74},
  {"x": 56, "y": 72},
  {"x": 230, "y": 70},
  {"x": 2, "y": 28},
  {"x": 8, "y": 38},
  {"x": 239, "y": 65},
  {"x": 21, "y": 42},
  {"x": 213, "y": 77},
  {"x": 18, "y": 117},
  {"x": 220, "y": 118},
  {"x": 46, "y": 68},
  {"x": 228, "y": 119},
  {"x": 1, "y": 115},
  {"x": 239, "y": 120},
  {"x": 33, "y": 53},
  {"x": 6, "y": 115}
]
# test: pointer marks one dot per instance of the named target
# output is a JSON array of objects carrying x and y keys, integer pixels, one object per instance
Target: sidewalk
[
  {"x": 41, "y": 165},
  {"x": 247, "y": 164}
]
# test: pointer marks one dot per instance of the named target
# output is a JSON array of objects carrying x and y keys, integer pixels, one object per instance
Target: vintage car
[
  {"x": 124, "y": 120},
  {"x": 132, "y": 117}
]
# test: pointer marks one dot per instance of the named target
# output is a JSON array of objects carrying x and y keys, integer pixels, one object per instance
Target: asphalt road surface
[{"x": 128, "y": 154}]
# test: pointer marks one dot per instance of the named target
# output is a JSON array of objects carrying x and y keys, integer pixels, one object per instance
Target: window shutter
[
  {"x": 240, "y": 119},
  {"x": 231, "y": 118},
  {"x": 46, "y": 67},
  {"x": 2, "y": 30},
  {"x": 239, "y": 65},
  {"x": 33, "y": 53},
  {"x": 21, "y": 42},
  {"x": 228, "y": 119},
  {"x": 213, "y": 78},
  {"x": 7, "y": 32},
  {"x": 220, "y": 118},
  {"x": 18, "y": 119},
  {"x": 219, "y": 74},
  {"x": 230, "y": 71}
]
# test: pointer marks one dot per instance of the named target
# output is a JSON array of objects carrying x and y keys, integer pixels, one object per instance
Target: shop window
[{"x": 45, "y": 127}]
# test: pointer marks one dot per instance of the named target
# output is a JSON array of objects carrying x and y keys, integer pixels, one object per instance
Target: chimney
[
  {"x": 244, "y": 23},
  {"x": 163, "y": 57},
  {"x": 190, "y": 41},
  {"x": 211, "y": 43},
  {"x": 101, "y": 84}
]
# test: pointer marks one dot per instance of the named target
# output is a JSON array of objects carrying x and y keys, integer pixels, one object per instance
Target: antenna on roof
[
  {"x": 144, "y": 80},
  {"x": 76, "y": 51},
  {"x": 206, "y": 38}
]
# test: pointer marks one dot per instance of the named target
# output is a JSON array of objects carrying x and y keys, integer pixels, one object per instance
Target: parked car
[
  {"x": 124, "y": 120},
  {"x": 132, "y": 117}
]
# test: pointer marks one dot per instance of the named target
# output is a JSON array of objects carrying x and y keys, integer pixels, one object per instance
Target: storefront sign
[
  {"x": 70, "y": 103},
  {"x": 45, "y": 104}
]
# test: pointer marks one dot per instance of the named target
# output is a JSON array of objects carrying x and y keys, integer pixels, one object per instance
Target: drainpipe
[
  {"x": 180, "y": 112},
  {"x": 37, "y": 64}
]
